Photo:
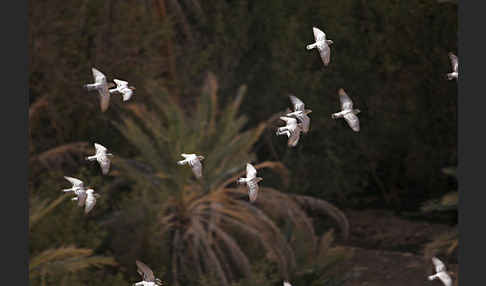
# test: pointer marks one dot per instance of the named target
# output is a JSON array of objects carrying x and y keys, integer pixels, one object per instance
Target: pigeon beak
[{"x": 132, "y": 88}]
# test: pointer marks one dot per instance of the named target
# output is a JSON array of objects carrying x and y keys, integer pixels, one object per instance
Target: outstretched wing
[
  {"x": 454, "y": 62},
  {"x": 196, "y": 168},
  {"x": 352, "y": 121},
  {"x": 250, "y": 171},
  {"x": 127, "y": 94},
  {"x": 99, "y": 77},
  {"x": 145, "y": 271},
  {"x": 445, "y": 278},
  {"x": 105, "y": 165},
  {"x": 439, "y": 265},
  {"x": 104, "y": 97},
  {"x": 81, "y": 198},
  {"x": 252, "y": 191},
  {"x": 294, "y": 138},
  {"x": 76, "y": 182},
  {"x": 346, "y": 102},
  {"x": 297, "y": 103},
  {"x": 289, "y": 120},
  {"x": 325, "y": 53},
  {"x": 120, "y": 83},
  {"x": 100, "y": 148},
  {"x": 318, "y": 34}
]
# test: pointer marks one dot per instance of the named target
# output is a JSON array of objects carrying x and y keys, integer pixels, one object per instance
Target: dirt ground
[{"x": 388, "y": 250}]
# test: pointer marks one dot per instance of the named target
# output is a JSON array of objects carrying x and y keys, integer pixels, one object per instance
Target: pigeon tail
[
  {"x": 90, "y": 86},
  {"x": 311, "y": 46}
]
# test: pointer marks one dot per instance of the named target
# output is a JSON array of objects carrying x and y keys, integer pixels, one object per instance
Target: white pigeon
[
  {"x": 300, "y": 113},
  {"x": 455, "y": 65},
  {"x": 322, "y": 45},
  {"x": 441, "y": 272},
  {"x": 102, "y": 157},
  {"x": 286, "y": 283},
  {"x": 123, "y": 88},
  {"x": 251, "y": 181},
  {"x": 101, "y": 86},
  {"x": 194, "y": 162},
  {"x": 292, "y": 129},
  {"x": 347, "y": 111},
  {"x": 147, "y": 275},
  {"x": 78, "y": 189},
  {"x": 90, "y": 200}
]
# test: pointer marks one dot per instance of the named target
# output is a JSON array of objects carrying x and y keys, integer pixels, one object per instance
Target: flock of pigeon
[{"x": 296, "y": 122}]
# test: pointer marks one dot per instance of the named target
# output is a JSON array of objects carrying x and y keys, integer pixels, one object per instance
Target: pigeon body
[
  {"x": 147, "y": 275},
  {"x": 101, "y": 86},
  {"x": 347, "y": 112},
  {"x": 455, "y": 67},
  {"x": 300, "y": 113},
  {"x": 251, "y": 182},
  {"x": 292, "y": 129},
  {"x": 194, "y": 162},
  {"x": 123, "y": 88},
  {"x": 102, "y": 157},
  {"x": 441, "y": 272},
  {"x": 322, "y": 45}
]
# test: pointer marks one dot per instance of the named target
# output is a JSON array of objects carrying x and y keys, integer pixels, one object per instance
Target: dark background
[{"x": 390, "y": 57}]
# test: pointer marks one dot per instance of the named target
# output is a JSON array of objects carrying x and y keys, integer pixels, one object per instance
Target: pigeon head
[
  {"x": 356, "y": 111},
  {"x": 307, "y": 111},
  {"x": 259, "y": 179},
  {"x": 200, "y": 157},
  {"x": 329, "y": 42}
]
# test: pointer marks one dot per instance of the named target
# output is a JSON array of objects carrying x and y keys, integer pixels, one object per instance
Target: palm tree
[
  {"x": 62, "y": 260},
  {"x": 208, "y": 223}
]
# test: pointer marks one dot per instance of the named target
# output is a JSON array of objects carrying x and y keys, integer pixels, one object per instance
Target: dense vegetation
[{"x": 390, "y": 56}]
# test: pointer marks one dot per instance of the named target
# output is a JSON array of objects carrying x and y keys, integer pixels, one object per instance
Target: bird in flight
[
  {"x": 148, "y": 277},
  {"x": 347, "y": 112},
  {"x": 102, "y": 157},
  {"x": 441, "y": 272},
  {"x": 101, "y": 85},
  {"x": 292, "y": 129},
  {"x": 123, "y": 88},
  {"x": 300, "y": 113},
  {"x": 251, "y": 181},
  {"x": 455, "y": 67},
  {"x": 194, "y": 162},
  {"x": 322, "y": 45}
]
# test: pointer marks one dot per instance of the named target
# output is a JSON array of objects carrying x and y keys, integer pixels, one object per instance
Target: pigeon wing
[
  {"x": 81, "y": 198},
  {"x": 105, "y": 165},
  {"x": 297, "y": 103},
  {"x": 445, "y": 278},
  {"x": 104, "y": 97},
  {"x": 439, "y": 265},
  {"x": 325, "y": 53},
  {"x": 352, "y": 121},
  {"x": 294, "y": 138},
  {"x": 98, "y": 76},
  {"x": 305, "y": 123},
  {"x": 318, "y": 34},
  {"x": 145, "y": 271},
  {"x": 127, "y": 94},
  {"x": 346, "y": 102},
  {"x": 90, "y": 203},
  {"x": 454, "y": 62},
  {"x": 120, "y": 83},
  {"x": 250, "y": 171},
  {"x": 76, "y": 182},
  {"x": 253, "y": 191},
  {"x": 197, "y": 168},
  {"x": 100, "y": 148}
]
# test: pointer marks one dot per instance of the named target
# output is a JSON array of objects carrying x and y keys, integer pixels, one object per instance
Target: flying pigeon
[
  {"x": 102, "y": 157},
  {"x": 322, "y": 45},
  {"x": 194, "y": 161},
  {"x": 347, "y": 111},
  {"x": 147, "y": 275},
  {"x": 300, "y": 113},
  {"x": 78, "y": 189},
  {"x": 101, "y": 86},
  {"x": 441, "y": 272},
  {"x": 292, "y": 129},
  {"x": 455, "y": 65},
  {"x": 251, "y": 181},
  {"x": 123, "y": 88},
  {"x": 286, "y": 283}
]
